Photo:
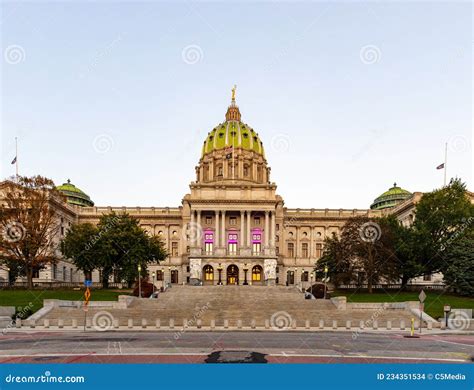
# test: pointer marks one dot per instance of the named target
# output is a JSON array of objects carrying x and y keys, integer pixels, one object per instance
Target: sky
[{"x": 348, "y": 98}]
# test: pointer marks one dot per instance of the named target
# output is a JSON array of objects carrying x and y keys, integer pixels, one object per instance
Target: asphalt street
[{"x": 194, "y": 347}]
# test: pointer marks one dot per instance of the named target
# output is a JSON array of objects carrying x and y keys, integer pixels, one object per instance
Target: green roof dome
[
  {"x": 390, "y": 198},
  {"x": 74, "y": 195},
  {"x": 232, "y": 133}
]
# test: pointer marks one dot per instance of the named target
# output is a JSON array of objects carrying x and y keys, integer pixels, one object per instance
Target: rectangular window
[
  {"x": 232, "y": 248},
  {"x": 64, "y": 273},
  {"x": 174, "y": 249},
  {"x": 232, "y": 221},
  {"x": 256, "y": 221},
  {"x": 319, "y": 250},
  {"x": 427, "y": 277},
  {"x": 304, "y": 250},
  {"x": 277, "y": 226},
  {"x": 291, "y": 249},
  {"x": 208, "y": 248},
  {"x": 256, "y": 248},
  {"x": 159, "y": 275},
  {"x": 304, "y": 276},
  {"x": 208, "y": 220}
]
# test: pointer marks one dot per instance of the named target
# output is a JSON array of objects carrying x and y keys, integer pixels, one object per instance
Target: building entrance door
[{"x": 232, "y": 274}]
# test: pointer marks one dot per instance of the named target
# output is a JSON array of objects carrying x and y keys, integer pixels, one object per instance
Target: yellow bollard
[{"x": 412, "y": 332}]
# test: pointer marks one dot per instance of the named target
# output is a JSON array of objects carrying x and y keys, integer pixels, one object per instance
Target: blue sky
[{"x": 347, "y": 98}]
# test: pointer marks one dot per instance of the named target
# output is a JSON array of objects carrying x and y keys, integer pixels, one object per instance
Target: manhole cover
[{"x": 236, "y": 357}]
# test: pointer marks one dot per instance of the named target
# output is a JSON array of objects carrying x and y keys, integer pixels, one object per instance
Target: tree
[
  {"x": 79, "y": 246},
  {"x": 29, "y": 223},
  {"x": 440, "y": 214},
  {"x": 123, "y": 245},
  {"x": 364, "y": 252},
  {"x": 334, "y": 257},
  {"x": 458, "y": 266}
]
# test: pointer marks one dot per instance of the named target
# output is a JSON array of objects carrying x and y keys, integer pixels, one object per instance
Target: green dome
[
  {"x": 74, "y": 195},
  {"x": 390, "y": 198},
  {"x": 232, "y": 133}
]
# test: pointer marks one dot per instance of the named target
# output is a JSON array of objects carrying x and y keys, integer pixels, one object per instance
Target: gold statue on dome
[{"x": 233, "y": 92}]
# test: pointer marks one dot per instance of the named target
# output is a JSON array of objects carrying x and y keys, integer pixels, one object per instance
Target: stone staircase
[{"x": 280, "y": 305}]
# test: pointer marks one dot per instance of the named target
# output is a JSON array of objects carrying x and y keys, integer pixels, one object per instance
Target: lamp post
[
  {"x": 139, "y": 281},
  {"x": 169, "y": 269},
  {"x": 219, "y": 268},
  {"x": 311, "y": 276},
  {"x": 245, "y": 273},
  {"x": 153, "y": 275},
  {"x": 325, "y": 279}
]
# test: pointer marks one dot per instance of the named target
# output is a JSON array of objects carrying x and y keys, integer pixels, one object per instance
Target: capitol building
[{"x": 232, "y": 228}]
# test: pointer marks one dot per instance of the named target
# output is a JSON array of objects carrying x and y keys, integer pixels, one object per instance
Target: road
[{"x": 199, "y": 347}]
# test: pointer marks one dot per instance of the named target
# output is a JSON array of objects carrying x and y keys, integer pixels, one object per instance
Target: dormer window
[{"x": 221, "y": 135}]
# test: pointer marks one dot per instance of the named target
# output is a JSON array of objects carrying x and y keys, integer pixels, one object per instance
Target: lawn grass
[
  {"x": 22, "y": 298},
  {"x": 435, "y": 300}
]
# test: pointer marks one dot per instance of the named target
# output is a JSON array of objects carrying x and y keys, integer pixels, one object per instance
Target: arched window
[
  {"x": 257, "y": 274},
  {"x": 208, "y": 273}
]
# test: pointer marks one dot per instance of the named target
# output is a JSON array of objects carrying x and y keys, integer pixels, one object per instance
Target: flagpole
[
  {"x": 445, "y": 162},
  {"x": 16, "y": 158}
]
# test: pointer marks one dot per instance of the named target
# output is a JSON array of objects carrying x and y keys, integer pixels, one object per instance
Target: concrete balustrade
[
  {"x": 307, "y": 324},
  {"x": 321, "y": 324},
  {"x": 46, "y": 323},
  {"x": 130, "y": 323},
  {"x": 389, "y": 325},
  {"x": 74, "y": 323},
  {"x": 361, "y": 324},
  {"x": 171, "y": 323},
  {"x": 375, "y": 324},
  {"x": 144, "y": 323},
  {"x": 199, "y": 323},
  {"x": 226, "y": 324},
  {"x": 334, "y": 324},
  {"x": 60, "y": 323},
  {"x": 348, "y": 324},
  {"x": 157, "y": 323},
  {"x": 402, "y": 325}
]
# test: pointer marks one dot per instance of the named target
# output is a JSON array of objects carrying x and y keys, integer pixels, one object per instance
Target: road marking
[
  {"x": 283, "y": 354},
  {"x": 369, "y": 357}
]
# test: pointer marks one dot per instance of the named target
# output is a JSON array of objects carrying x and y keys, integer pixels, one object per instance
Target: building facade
[{"x": 232, "y": 228}]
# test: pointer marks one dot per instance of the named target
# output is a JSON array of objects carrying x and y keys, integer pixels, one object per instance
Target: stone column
[
  {"x": 249, "y": 218},
  {"x": 267, "y": 225},
  {"x": 242, "y": 233},
  {"x": 216, "y": 233},
  {"x": 223, "y": 229},
  {"x": 272, "y": 230},
  {"x": 191, "y": 227},
  {"x": 200, "y": 232}
]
